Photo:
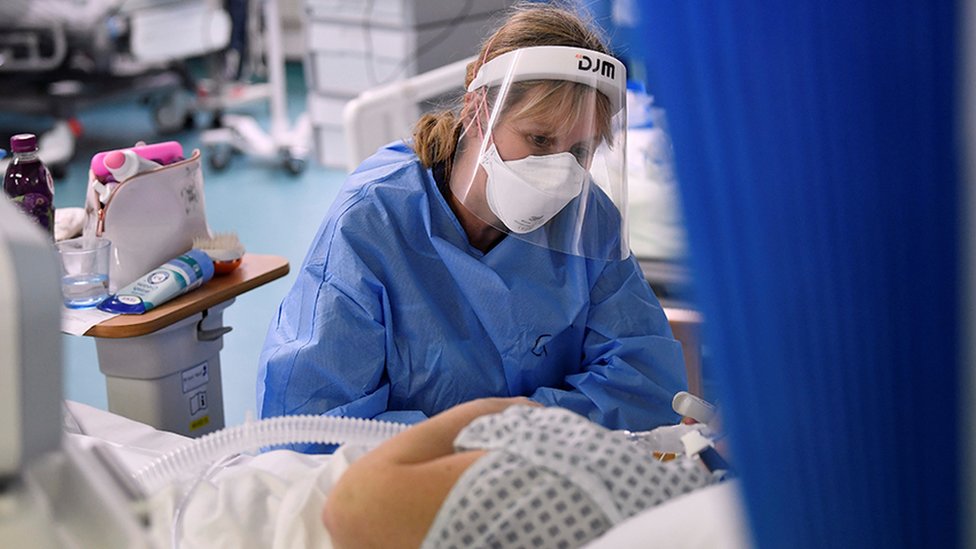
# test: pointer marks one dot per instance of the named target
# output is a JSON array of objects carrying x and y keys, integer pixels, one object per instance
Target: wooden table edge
[{"x": 186, "y": 305}]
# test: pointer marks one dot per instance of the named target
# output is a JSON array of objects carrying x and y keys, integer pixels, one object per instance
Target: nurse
[{"x": 487, "y": 257}]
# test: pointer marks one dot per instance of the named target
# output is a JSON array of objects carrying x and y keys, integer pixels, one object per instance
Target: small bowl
[{"x": 226, "y": 267}]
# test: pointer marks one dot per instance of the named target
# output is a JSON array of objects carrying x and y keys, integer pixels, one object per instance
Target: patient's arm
[{"x": 390, "y": 496}]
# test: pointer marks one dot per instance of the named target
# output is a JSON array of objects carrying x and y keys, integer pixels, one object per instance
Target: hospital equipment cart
[{"x": 163, "y": 367}]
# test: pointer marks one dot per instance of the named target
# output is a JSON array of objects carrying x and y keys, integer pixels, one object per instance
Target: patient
[{"x": 500, "y": 472}]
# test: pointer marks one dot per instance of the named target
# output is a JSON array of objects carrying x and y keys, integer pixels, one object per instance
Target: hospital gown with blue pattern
[
  {"x": 394, "y": 315},
  {"x": 551, "y": 478}
]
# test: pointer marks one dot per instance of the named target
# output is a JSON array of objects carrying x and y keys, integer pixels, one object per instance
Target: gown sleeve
[
  {"x": 631, "y": 366},
  {"x": 325, "y": 352}
]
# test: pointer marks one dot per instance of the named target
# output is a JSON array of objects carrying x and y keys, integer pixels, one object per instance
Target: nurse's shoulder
[
  {"x": 386, "y": 162},
  {"x": 393, "y": 170}
]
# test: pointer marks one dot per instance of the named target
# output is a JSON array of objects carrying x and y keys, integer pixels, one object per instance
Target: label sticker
[
  {"x": 198, "y": 403},
  {"x": 158, "y": 277},
  {"x": 195, "y": 377},
  {"x": 197, "y": 423}
]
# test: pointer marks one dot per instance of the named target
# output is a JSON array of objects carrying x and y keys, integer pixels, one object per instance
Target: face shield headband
[
  {"x": 592, "y": 68},
  {"x": 569, "y": 198}
]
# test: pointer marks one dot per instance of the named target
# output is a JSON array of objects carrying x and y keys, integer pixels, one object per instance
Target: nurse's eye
[
  {"x": 541, "y": 141},
  {"x": 583, "y": 155}
]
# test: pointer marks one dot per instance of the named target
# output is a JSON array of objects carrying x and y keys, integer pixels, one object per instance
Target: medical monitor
[{"x": 30, "y": 342}]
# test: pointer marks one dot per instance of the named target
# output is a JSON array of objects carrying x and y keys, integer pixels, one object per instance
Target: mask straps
[
  {"x": 482, "y": 104},
  {"x": 484, "y": 95}
]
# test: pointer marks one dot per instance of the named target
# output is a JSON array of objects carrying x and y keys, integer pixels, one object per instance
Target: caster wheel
[
  {"x": 218, "y": 157},
  {"x": 295, "y": 166},
  {"x": 189, "y": 122},
  {"x": 218, "y": 120},
  {"x": 58, "y": 171},
  {"x": 173, "y": 114}
]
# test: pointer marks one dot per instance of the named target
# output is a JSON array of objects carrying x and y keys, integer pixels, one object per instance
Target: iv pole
[{"x": 242, "y": 133}]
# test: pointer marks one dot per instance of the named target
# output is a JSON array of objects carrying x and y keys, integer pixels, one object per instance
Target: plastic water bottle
[{"x": 28, "y": 182}]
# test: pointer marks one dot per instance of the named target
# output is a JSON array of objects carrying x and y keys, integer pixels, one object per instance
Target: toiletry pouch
[{"x": 150, "y": 218}]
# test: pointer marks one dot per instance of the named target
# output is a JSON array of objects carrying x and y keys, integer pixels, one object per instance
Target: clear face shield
[{"x": 542, "y": 155}]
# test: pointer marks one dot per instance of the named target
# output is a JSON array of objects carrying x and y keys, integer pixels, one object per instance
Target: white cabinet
[{"x": 352, "y": 46}]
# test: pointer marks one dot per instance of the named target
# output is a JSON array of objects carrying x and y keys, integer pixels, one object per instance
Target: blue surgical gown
[{"x": 394, "y": 315}]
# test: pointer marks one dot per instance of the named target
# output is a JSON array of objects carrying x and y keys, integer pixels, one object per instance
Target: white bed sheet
[
  {"x": 274, "y": 500},
  {"x": 710, "y": 518}
]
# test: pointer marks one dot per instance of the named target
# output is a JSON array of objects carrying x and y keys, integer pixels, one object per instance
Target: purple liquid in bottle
[{"x": 28, "y": 182}]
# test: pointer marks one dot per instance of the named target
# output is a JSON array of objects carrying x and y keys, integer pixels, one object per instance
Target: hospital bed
[
  {"x": 259, "y": 497},
  {"x": 58, "y": 56}
]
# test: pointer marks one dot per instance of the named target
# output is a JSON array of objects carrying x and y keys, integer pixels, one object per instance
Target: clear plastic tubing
[{"x": 188, "y": 461}]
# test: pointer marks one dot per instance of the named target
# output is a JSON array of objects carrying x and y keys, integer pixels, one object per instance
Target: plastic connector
[
  {"x": 688, "y": 405},
  {"x": 694, "y": 442}
]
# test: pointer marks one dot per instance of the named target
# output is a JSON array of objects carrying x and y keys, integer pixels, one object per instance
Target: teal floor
[{"x": 272, "y": 212}]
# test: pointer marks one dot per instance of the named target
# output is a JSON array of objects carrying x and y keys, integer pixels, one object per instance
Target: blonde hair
[{"x": 435, "y": 137}]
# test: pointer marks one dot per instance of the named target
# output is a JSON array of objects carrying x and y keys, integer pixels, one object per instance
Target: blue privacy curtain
[{"x": 817, "y": 165}]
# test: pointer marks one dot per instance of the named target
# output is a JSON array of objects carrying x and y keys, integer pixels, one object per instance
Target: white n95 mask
[{"x": 526, "y": 193}]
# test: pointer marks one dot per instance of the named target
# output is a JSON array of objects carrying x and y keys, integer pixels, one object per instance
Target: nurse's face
[
  {"x": 535, "y": 129},
  {"x": 543, "y": 120}
]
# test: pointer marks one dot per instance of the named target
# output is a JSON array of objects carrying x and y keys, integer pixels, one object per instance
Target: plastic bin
[{"x": 169, "y": 379}]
